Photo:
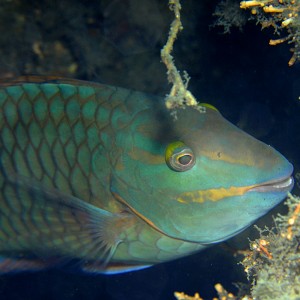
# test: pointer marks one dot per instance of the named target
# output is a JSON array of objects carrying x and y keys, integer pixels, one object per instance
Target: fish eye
[{"x": 179, "y": 157}]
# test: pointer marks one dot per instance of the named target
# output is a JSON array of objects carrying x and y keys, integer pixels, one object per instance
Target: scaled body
[{"x": 105, "y": 176}]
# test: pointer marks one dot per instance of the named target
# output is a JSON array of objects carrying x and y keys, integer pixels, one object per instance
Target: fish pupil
[{"x": 185, "y": 159}]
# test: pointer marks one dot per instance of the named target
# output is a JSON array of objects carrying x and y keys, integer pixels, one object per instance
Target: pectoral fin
[{"x": 45, "y": 223}]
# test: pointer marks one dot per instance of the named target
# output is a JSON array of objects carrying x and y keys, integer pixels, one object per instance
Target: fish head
[{"x": 197, "y": 177}]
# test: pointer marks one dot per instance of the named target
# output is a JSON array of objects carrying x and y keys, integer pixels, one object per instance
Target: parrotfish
[{"x": 107, "y": 180}]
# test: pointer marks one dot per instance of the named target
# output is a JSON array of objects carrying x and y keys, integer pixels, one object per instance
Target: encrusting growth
[{"x": 274, "y": 262}]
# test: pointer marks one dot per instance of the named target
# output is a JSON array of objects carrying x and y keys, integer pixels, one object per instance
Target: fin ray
[{"x": 50, "y": 223}]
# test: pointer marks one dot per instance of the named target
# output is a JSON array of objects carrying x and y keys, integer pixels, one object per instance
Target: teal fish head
[{"x": 198, "y": 178}]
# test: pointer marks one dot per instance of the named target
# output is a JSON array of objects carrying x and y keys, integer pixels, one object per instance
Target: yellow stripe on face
[{"x": 214, "y": 195}]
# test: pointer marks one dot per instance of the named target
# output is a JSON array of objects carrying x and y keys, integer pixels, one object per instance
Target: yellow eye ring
[
  {"x": 207, "y": 105},
  {"x": 179, "y": 157}
]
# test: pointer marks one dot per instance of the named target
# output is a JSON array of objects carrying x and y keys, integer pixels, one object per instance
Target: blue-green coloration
[{"x": 106, "y": 177}]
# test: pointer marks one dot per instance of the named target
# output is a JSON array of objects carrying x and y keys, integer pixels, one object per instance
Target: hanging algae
[{"x": 179, "y": 95}]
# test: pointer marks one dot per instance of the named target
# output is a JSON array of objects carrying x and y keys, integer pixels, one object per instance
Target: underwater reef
[{"x": 119, "y": 42}]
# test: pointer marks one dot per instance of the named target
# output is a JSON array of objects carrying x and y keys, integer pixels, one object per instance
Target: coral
[
  {"x": 274, "y": 261},
  {"x": 222, "y": 295},
  {"x": 183, "y": 296},
  {"x": 281, "y": 15}
]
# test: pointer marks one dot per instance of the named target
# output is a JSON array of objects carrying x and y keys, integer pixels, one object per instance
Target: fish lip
[{"x": 284, "y": 184}]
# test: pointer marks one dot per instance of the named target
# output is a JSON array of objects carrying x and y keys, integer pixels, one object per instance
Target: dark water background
[{"x": 118, "y": 42}]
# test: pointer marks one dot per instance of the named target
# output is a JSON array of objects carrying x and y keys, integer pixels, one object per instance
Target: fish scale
[
  {"x": 55, "y": 132},
  {"x": 45, "y": 157},
  {"x": 86, "y": 175}
]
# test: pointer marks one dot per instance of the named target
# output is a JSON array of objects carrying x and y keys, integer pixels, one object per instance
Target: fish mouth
[{"x": 282, "y": 185}]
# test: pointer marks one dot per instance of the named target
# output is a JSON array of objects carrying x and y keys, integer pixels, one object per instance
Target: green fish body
[{"x": 106, "y": 177}]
